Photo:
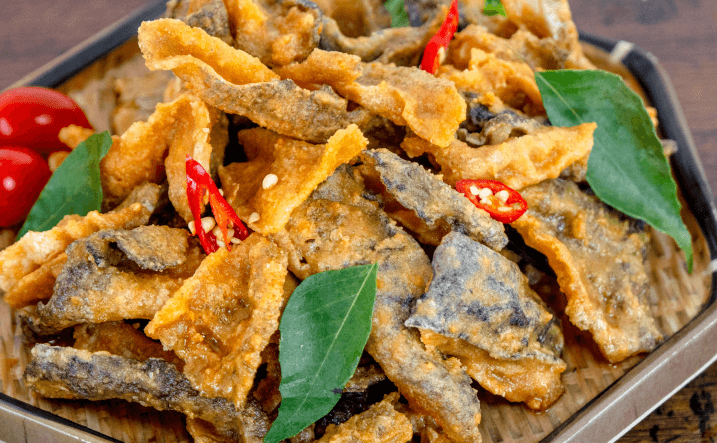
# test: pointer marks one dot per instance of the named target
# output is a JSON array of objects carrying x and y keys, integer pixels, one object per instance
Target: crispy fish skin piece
[
  {"x": 430, "y": 106},
  {"x": 518, "y": 162},
  {"x": 381, "y": 423},
  {"x": 277, "y": 32},
  {"x": 152, "y": 150},
  {"x": 222, "y": 317},
  {"x": 36, "y": 248},
  {"x": 238, "y": 83},
  {"x": 432, "y": 200},
  {"x": 299, "y": 167},
  {"x": 73, "y": 135},
  {"x": 480, "y": 296},
  {"x": 59, "y": 372},
  {"x": 521, "y": 46},
  {"x": 100, "y": 283},
  {"x": 336, "y": 228},
  {"x": 488, "y": 317},
  {"x": 512, "y": 82},
  {"x": 534, "y": 382},
  {"x": 550, "y": 18},
  {"x": 122, "y": 339},
  {"x": 211, "y": 16},
  {"x": 37, "y": 285},
  {"x": 402, "y": 46},
  {"x": 599, "y": 266}
]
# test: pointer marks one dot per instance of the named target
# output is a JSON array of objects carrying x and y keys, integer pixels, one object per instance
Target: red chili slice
[
  {"x": 505, "y": 210},
  {"x": 201, "y": 188},
  {"x": 438, "y": 44}
]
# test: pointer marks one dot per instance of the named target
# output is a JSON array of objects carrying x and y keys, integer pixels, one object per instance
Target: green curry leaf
[
  {"x": 493, "y": 7},
  {"x": 627, "y": 168},
  {"x": 324, "y": 329},
  {"x": 397, "y": 10},
  {"x": 74, "y": 188}
]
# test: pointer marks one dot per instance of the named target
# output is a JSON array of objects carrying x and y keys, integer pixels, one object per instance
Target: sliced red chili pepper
[
  {"x": 505, "y": 210},
  {"x": 438, "y": 44},
  {"x": 200, "y": 190}
]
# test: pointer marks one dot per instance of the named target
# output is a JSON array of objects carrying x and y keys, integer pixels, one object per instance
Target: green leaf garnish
[
  {"x": 397, "y": 10},
  {"x": 324, "y": 329},
  {"x": 627, "y": 167},
  {"x": 74, "y": 188},
  {"x": 493, "y": 7}
]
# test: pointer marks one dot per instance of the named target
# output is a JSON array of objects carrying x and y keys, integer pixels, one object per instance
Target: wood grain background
[{"x": 681, "y": 33}]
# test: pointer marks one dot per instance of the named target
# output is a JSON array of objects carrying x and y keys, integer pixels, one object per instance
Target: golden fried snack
[
  {"x": 276, "y": 32},
  {"x": 599, "y": 265},
  {"x": 402, "y": 46},
  {"x": 430, "y": 106},
  {"x": 122, "y": 339},
  {"x": 37, "y": 285},
  {"x": 479, "y": 307},
  {"x": 150, "y": 151},
  {"x": 356, "y": 19},
  {"x": 222, "y": 317},
  {"x": 551, "y": 19},
  {"x": 209, "y": 15},
  {"x": 381, "y": 423},
  {"x": 59, "y": 372},
  {"x": 116, "y": 274},
  {"x": 73, "y": 135},
  {"x": 137, "y": 97},
  {"x": 518, "y": 162},
  {"x": 238, "y": 83},
  {"x": 513, "y": 82},
  {"x": 337, "y": 227},
  {"x": 432, "y": 200},
  {"x": 298, "y": 167},
  {"x": 36, "y": 248}
]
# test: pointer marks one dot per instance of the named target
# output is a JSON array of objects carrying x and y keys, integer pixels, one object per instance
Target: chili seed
[
  {"x": 474, "y": 190},
  {"x": 254, "y": 217},
  {"x": 502, "y": 195},
  {"x": 269, "y": 181},
  {"x": 190, "y": 225},
  {"x": 208, "y": 223},
  {"x": 485, "y": 192}
]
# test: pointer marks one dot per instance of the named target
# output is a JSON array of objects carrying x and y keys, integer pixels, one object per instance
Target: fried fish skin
[
  {"x": 430, "y": 106},
  {"x": 237, "y": 83},
  {"x": 432, "y": 200},
  {"x": 479, "y": 308},
  {"x": 37, "y": 285},
  {"x": 276, "y": 32},
  {"x": 60, "y": 372},
  {"x": 100, "y": 283},
  {"x": 531, "y": 381},
  {"x": 36, "y": 248},
  {"x": 518, "y": 162},
  {"x": 337, "y": 227},
  {"x": 298, "y": 166},
  {"x": 222, "y": 317},
  {"x": 599, "y": 264},
  {"x": 381, "y": 423},
  {"x": 122, "y": 339}
]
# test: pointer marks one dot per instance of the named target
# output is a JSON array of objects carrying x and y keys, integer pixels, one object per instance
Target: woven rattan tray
[{"x": 601, "y": 400}]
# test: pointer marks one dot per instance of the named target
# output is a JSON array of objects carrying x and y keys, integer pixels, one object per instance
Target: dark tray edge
[{"x": 644, "y": 387}]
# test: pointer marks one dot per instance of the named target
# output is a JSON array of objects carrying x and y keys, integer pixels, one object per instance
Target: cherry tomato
[
  {"x": 33, "y": 116},
  {"x": 23, "y": 174}
]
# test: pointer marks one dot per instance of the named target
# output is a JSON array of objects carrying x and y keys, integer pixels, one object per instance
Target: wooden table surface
[{"x": 681, "y": 33}]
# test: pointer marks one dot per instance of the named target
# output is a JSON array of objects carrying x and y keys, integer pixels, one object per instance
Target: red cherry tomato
[
  {"x": 23, "y": 174},
  {"x": 33, "y": 116}
]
